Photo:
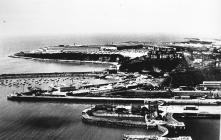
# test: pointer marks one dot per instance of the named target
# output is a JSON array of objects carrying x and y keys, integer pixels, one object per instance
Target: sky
[{"x": 48, "y": 17}]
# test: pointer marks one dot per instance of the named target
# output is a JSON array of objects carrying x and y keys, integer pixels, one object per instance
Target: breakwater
[
  {"x": 74, "y": 99},
  {"x": 55, "y": 74},
  {"x": 88, "y": 118}
]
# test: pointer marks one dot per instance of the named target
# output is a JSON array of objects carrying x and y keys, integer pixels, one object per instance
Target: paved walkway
[{"x": 201, "y": 109}]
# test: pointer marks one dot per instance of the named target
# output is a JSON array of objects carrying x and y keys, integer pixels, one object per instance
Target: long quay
[
  {"x": 69, "y": 99},
  {"x": 55, "y": 74}
]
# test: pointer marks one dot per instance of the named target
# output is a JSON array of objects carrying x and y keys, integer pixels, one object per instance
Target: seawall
[
  {"x": 74, "y": 99},
  {"x": 86, "y": 117}
]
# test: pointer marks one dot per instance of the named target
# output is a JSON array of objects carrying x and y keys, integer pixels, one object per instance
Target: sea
[{"x": 61, "y": 121}]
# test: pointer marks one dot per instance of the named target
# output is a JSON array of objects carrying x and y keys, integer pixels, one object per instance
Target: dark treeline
[
  {"x": 158, "y": 65},
  {"x": 193, "y": 77}
]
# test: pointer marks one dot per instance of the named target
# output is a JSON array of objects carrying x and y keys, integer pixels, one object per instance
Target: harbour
[
  {"x": 59, "y": 123},
  {"x": 110, "y": 70}
]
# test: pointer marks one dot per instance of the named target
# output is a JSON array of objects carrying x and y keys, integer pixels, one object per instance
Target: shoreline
[{"x": 60, "y": 60}]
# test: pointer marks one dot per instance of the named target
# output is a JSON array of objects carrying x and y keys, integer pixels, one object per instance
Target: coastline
[{"x": 67, "y": 61}]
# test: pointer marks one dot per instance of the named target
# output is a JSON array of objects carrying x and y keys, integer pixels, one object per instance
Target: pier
[
  {"x": 156, "y": 118},
  {"x": 90, "y": 116},
  {"x": 102, "y": 100}
]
